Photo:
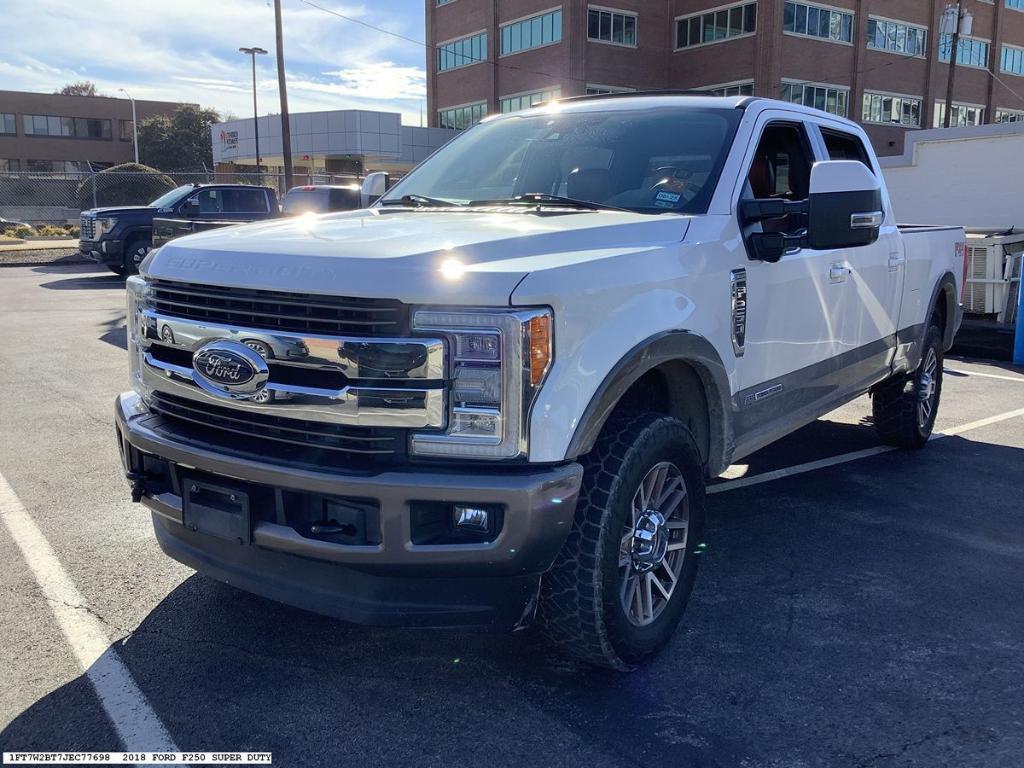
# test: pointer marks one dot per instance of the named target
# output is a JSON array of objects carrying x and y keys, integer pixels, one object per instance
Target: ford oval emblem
[{"x": 229, "y": 369}]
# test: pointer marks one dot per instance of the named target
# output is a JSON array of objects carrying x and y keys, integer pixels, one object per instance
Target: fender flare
[
  {"x": 668, "y": 346},
  {"x": 945, "y": 284}
]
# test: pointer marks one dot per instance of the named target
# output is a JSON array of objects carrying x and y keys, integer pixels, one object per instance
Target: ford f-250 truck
[
  {"x": 509, "y": 380},
  {"x": 120, "y": 237}
]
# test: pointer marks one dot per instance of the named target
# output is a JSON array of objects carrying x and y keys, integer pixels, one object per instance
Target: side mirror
[
  {"x": 845, "y": 206},
  {"x": 190, "y": 208},
  {"x": 374, "y": 187}
]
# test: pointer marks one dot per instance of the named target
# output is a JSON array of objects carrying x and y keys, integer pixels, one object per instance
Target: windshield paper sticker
[{"x": 667, "y": 199}]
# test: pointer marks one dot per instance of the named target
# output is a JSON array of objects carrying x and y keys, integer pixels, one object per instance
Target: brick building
[
  {"x": 880, "y": 62},
  {"x": 51, "y": 133}
]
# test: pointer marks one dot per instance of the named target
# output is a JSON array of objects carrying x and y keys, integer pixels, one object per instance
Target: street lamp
[
  {"x": 255, "y": 114},
  {"x": 135, "y": 125},
  {"x": 956, "y": 21}
]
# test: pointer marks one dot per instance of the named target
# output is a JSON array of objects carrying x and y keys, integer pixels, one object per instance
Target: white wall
[{"x": 973, "y": 177}]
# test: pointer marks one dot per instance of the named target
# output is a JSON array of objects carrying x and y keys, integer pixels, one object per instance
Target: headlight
[
  {"x": 137, "y": 291},
  {"x": 498, "y": 361},
  {"x": 105, "y": 225}
]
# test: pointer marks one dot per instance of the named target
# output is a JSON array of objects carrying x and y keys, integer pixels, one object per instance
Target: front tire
[
  {"x": 904, "y": 407},
  {"x": 135, "y": 251},
  {"x": 620, "y": 584}
]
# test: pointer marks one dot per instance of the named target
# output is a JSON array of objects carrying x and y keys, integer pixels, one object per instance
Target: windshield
[
  {"x": 660, "y": 160},
  {"x": 167, "y": 199}
]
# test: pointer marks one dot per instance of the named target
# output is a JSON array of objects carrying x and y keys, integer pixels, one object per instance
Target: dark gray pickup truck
[{"x": 120, "y": 237}]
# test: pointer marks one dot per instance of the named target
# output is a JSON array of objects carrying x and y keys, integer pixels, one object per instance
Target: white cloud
[{"x": 186, "y": 51}]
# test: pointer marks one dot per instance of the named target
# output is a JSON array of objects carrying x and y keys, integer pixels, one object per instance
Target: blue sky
[{"x": 187, "y": 50}]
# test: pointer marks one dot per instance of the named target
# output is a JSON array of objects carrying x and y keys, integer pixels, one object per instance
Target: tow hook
[{"x": 138, "y": 481}]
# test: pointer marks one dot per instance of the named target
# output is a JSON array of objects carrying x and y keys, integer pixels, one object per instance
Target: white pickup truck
[{"x": 495, "y": 396}]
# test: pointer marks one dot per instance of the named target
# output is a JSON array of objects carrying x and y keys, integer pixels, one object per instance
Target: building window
[
  {"x": 731, "y": 89},
  {"x": 611, "y": 26},
  {"x": 887, "y": 108},
  {"x": 897, "y": 37},
  {"x": 813, "y": 21},
  {"x": 963, "y": 114},
  {"x": 66, "y": 127},
  {"x": 527, "y": 100},
  {"x": 1013, "y": 60},
  {"x": 461, "y": 117},
  {"x": 601, "y": 90},
  {"x": 970, "y": 52},
  {"x": 462, "y": 53},
  {"x": 444, "y": 2},
  {"x": 723, "y": 24},
  {"x": 828, "y": 98},
  {"x": 57, "y": 166},
  {"x": 1017, "y": 5},
  {"x": 8, "y": 123},
  {"x": 531, "y": 33},
  {"x": 10, "y": 166},
  {"x": 1009, "y": 116}
]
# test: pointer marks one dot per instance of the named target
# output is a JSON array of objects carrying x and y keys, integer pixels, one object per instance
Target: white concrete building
[
  {"x": 968, "y": 176},
  {"x": 340, "y": 141}
]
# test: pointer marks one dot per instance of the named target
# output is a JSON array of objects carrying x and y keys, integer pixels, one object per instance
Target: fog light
[{"x": 471, "y": 518}]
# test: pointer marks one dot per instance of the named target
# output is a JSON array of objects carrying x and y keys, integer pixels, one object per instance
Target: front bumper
[
  {"x": 393, "y": 582},
  {"x": 106, "y": 252}
]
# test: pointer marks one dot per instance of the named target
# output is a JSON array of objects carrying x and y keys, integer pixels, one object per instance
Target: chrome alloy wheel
[
  {"x": 653, "y": 545},
  {"x": 926, "y": 389}
]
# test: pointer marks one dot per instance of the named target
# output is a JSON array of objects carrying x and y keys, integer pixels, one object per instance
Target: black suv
[{"x": 121, "y": 237}]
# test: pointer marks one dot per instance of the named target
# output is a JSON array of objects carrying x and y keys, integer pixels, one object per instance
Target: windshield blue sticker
[{"x": 667, "y": 199}]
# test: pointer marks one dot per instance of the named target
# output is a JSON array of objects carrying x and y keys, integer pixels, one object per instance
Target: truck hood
[
  {"x": 121, "y": 210},
  {"x": 424, "y": 256}
]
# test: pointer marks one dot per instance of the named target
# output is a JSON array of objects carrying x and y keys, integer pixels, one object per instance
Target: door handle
[{"x": 838, "y": 273}]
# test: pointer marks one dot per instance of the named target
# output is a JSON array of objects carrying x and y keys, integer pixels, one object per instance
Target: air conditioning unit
[{"x": 991, "y": 261}]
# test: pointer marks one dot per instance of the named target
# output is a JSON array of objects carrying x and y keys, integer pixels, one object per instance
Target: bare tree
[{"x": 81, "y": 88}]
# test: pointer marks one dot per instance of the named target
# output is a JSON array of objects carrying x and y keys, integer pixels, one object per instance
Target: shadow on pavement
[
  {"x": 93, "y": 282},
  {"x": 864, "y": 615}
]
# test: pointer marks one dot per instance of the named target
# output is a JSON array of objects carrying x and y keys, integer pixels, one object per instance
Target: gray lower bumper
[{"x": 394, "y": 582}]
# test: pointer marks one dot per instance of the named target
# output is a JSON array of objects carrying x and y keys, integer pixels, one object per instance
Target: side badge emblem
[{"x": 739, "y": 310}]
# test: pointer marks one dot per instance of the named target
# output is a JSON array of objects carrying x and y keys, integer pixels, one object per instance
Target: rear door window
[
  {"x": 845, "y": 146},
  {"x": 245, "y": 201}
]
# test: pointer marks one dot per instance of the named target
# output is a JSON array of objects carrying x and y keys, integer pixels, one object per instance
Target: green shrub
[
  {"x": 21, "y": 231},
  {"x": 127, "y": 184}
]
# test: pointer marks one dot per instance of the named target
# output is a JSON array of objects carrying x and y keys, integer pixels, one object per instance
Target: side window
[
  {"x": 844, "y": 146},
  {"x": 781, "y": 169},
  {"x": 210, "y": 201},
  {"x": 244, "y": 200}
]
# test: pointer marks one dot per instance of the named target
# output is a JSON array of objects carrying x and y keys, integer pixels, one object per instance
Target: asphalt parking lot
[{"x": 867, "y": 611}]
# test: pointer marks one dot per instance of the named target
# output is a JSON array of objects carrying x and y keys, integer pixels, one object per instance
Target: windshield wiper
[
  {"x": 420, "y": 201},
  {"x": 542, "y": 198}
]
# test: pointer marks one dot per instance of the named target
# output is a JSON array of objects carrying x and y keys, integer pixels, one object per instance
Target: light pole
[
  {"x": 956, "y": 20},
  {"x": 255, "y": 114},
  {"x": 286, "y": 131},
  {"x": 135, "y": 125}
]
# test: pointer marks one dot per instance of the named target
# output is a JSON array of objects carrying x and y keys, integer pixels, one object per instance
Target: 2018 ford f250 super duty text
[{"x": 495, "y": 396}]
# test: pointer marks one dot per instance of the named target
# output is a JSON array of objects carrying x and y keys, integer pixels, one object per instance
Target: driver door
[{"x": 793, "y": 307}]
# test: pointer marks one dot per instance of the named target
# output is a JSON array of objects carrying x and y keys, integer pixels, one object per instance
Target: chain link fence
[{"x": 59, "y": 198}]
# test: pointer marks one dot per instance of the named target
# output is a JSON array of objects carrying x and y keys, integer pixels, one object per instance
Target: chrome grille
[
  {"x": 87, "y": 228},
  {"x": 280, "y": 311},
  {"x": 280, "y": 439}
]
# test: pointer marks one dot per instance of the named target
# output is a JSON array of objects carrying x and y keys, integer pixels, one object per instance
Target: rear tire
[
  {"x": 620, "y": 584},
  {"x": 904, "y": 407}
]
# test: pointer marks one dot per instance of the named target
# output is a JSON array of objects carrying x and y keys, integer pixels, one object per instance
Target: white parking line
[
  {"x": 843, "y": 458},
  {"x": 1018, "y": 379},
  {"x": 136, "y": 723}
]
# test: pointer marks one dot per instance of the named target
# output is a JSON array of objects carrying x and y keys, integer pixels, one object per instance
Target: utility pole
[
  {"x": 135, "y": 125},
  {"x": 286, "y": 132},
  {"x": 955, "y": 19},
  {"x": 255, "y": 113}
]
